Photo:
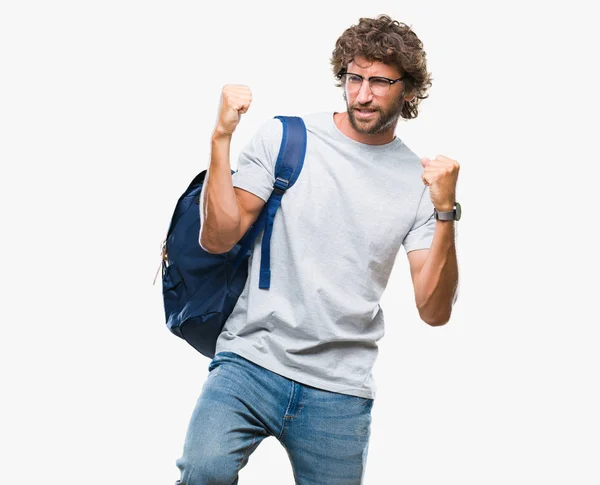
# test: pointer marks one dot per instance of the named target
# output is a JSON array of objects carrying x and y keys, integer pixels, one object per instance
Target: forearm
[
  {"x": 438, "y": 281},
  {"x": 219, "y": 209}
]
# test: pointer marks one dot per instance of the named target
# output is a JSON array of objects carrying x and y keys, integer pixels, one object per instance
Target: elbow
[
  {"x": 435, "y": 320},
  {"x": 212, "y": 248},
  {"x": 217, "y": 242},
  {"x": 434, "y": 313}
]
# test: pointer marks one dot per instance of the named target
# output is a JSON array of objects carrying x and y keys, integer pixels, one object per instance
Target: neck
[{"x": 342, "y": 121}]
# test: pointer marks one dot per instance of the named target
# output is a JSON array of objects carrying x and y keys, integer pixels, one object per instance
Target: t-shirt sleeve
[
  {"x": 420, "y": 235},
  {"x": 256, "y": 161}
]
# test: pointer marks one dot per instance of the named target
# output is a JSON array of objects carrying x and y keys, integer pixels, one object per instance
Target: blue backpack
[{"x": 200, "y": 289}]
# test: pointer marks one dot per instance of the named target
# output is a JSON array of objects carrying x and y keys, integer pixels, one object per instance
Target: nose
[{"x": 364, "y": 93}]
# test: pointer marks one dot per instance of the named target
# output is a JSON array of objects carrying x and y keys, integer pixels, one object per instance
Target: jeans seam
[{"x": 246, "y": 455}]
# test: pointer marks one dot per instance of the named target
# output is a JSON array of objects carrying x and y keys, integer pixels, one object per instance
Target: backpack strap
[{"x": 289, "y": 165}]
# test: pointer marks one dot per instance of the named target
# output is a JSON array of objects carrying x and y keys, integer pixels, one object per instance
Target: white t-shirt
[{"x": 335, "y": 239}]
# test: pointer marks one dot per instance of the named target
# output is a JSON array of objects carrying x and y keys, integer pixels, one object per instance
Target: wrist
[
  {"x": 445, "y": 213},
  {"x": 446, "y": 206},
  {"x": 221, "y": 135}
]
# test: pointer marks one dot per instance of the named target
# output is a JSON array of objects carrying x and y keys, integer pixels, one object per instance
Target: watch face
[{"x": 458, "y": 212}]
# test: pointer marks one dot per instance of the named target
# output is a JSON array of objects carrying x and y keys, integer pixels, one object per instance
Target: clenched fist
[
  {"x": 441, "y": 175},
  {"x": 235, "y": 101}
]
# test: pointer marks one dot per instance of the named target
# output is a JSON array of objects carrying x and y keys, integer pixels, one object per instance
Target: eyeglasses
[{"x": 379, "y": 86}]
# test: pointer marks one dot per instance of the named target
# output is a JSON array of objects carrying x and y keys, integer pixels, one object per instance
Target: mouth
[{"x": 365, "y": 113}]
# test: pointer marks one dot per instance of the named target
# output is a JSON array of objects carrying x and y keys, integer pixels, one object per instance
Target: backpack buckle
[
  {"x": 280, "y": 186},
  {"x": 163, "y": 260}
]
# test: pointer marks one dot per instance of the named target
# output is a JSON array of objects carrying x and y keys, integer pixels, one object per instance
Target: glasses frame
[{"x": 368, "y": 79}]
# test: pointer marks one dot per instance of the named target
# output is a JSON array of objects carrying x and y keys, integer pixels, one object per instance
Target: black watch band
[{"x": 453, "y": 215}]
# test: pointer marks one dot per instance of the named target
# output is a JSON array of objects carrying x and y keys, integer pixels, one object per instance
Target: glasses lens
[
  {"x": 379, "y": 87},
  {"x": 353, "y": 82}
]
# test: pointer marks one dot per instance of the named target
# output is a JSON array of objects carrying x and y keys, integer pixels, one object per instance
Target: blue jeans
[{"x": 326, "y": 434}]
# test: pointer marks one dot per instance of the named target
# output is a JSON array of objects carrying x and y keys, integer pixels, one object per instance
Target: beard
[{"x": 383, "y": 120}]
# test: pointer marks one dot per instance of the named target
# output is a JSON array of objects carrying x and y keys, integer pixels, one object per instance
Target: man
[{"x": 295, "y": 361}]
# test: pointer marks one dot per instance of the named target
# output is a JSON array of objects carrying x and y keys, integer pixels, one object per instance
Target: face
[{"x": 370, "y": 114}]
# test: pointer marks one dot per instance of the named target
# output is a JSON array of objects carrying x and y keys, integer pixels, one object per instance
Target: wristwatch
[{"x": 449, "y": 216}]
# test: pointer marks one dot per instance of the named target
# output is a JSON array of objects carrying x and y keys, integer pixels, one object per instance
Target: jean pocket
[
  {"x": 219, "y": 359},
  {"x": 366, "y": 404}
]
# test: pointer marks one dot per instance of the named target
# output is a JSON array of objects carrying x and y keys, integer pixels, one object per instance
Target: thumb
[{"x": 425, "y": 161}]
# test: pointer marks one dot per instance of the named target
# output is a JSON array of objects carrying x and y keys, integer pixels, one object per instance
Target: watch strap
[
  {"x": 453, "y": 215},
  {"x": 444, "y": 216}
]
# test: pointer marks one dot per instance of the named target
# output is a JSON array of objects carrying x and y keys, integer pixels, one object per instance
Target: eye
[
  {"x": 353, "y": 79},
  {"x": 379, "y": 83}
]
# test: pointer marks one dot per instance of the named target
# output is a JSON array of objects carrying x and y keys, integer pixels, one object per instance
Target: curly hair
[{"x": 391, "y": 42}]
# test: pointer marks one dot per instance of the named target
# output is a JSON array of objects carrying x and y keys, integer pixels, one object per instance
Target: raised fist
[{"x": 235, "y": 101}]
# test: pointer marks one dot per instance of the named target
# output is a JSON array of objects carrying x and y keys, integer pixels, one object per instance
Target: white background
[{"x": 106, "y": 114}]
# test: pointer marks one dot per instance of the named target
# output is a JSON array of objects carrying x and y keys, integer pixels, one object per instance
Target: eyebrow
[
  {"x": 345, "y": 71},
  {"x": 370, "y": 77}
]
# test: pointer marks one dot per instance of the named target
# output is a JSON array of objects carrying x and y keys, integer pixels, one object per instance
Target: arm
[
  {"x": 226, "y": 212},
  {"x": 434, "y": 273}
]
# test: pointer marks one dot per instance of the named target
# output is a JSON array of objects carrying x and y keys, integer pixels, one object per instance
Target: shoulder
[
  {"x": 316, "y": 121},
  {"x": 266, "y": 138},
  {"x": 271, "y": 130},
  {"x": 410, "y": 159},
  {"x": 313, "y": 120},
  {"x": 410, "y": 156}
]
